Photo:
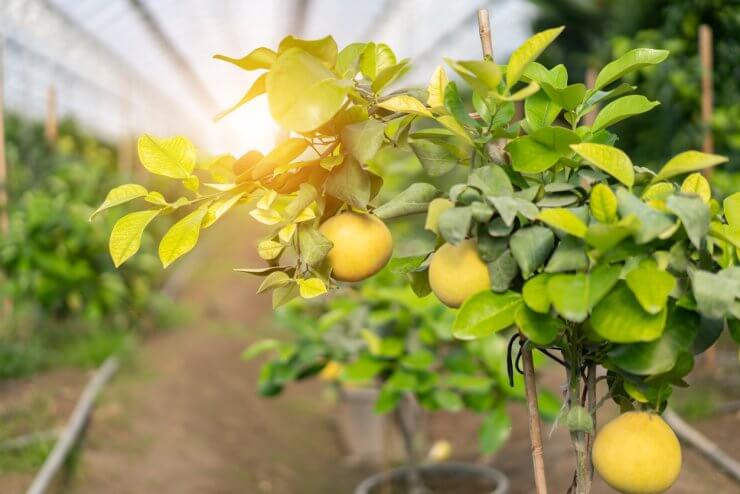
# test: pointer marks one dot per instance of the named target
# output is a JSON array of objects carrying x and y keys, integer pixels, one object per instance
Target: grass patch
[{"x": 26, "y": 459}]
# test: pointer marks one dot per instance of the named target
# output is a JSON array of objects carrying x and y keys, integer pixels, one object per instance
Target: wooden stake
[
  {"x": 484, "y": 29},
  {"x": 533, "y": 412},
  {"x": 51, "y": 126},
  {"x": 3, "y": 163},
  {"x": 535, "y": 432},
  {"x": 590, "y": 79},
  {"x": 707, "y": 89}
]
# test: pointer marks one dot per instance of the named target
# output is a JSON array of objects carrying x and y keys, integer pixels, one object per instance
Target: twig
[
  {"x": 484, "y": 29},
  {"x": 74, "y": 427},
  {"x": 703, "y": 445}
]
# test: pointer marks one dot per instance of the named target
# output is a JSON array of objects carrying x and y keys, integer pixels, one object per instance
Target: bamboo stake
[
  {"x": 533, "y": 412},
  {"x": 590, "y": 79},
  {"x": 3, "y": 163},
  {"x": 51, "y": 125}
]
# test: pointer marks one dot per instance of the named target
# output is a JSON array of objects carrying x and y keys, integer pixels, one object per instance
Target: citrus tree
[{"x": 598, "y": 262}]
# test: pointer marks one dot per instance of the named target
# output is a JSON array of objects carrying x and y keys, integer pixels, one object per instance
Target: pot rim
[{"x": 502, "y": 481}]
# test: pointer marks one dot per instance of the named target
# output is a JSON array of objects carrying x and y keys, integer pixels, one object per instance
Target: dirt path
[{"x": 185, "y": 418}]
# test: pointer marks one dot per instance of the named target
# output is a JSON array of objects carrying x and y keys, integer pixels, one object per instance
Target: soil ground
[{"x": 183, "y": 415}]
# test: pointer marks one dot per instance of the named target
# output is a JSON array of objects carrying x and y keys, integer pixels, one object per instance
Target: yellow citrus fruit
[
  {"x": 362, "y": 245},
  {"x": 637, "y": 453},
  {"x": 457, "y": 272}
]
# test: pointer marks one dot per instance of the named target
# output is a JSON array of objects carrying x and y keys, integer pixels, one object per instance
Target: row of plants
[
  {"x": 65, "y": 302},
  {"x": 617, "y": 272}
]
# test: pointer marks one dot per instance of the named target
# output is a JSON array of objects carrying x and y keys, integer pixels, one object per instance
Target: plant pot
[{"x": 460, "y": 478}]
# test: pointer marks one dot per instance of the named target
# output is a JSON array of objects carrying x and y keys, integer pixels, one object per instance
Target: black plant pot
[{"x": 462, "y": 478}]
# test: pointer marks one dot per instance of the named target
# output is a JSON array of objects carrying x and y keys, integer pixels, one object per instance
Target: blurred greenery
[
  {"x": 599, "y": 30},
  {"x": 66, "y": 303}
]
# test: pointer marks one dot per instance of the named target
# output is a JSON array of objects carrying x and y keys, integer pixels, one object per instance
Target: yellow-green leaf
[
  {"x": 658, "y": 192},
  {"x": 182, "y": 236},
  {"x": 687, "y": 162},
  {"x": 259, "y": 58},
  {"x": 125, "y": 239},
  {"x": 219, "y": 208},
  {"x": 620, "y": 109},
  {"x": 608, "y": 159},
  {"x": 269, "y": 249},
  {"x": 311, "y": 287},
  {"x": 172, "y": 157},
  {"x": 436, "y": 88},
  {"x": 523, "y": 93},
  {"x": 405, "y": 104},
  {"x": 325, "y": 49},
  {"x": 564, "y": 220},
  {"x": 629, "y": 62},
  {"x": 452, "y": 124},
  {"x": 434, "y": 210},
  {"x": 731, "y": 206},
  {"x": 528, "y": 52},
  {"x": 120, "y": 195},
  {"x": 697, "y": 184},
  {"x": 303, "y": 94},
  {"x": 375, "y": 58},
  {"x": 266, "y": 216},
  {"x": 287, "y": 232},
  {"x": 603, "y": 204},
  {"x": 257, "y": 88}
]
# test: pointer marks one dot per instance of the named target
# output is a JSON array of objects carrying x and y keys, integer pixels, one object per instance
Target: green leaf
[
  {"x": 258, "y": 87},
  {"x": 491, "y": 180},
  {"x": 541, "y": 149},
  {"x": 120, "y": 195},
  {"x": 540, "y": 111},
  {"x": 259, "y": 347},
  {"x": 325, "y": 49},
  {"x": 502, "y": 272},
  {"x": 687, "y": 162},
  {"x": 541, "y": 329},
  {"x": 569, "y": 295},
  {"x": 530, "y": 247},
  {"x": 363, "y": 369},
  {"x": 535, "y": 294},
  {"x": 650, "y": 285},
  {"x": 350, "y": 183},
  {"x": 303, "y": 94},
  {"x": 603, "y": 204},
  {"x": 608, "y": 159},
  {"x": 436, "y": 159},
  {"x": 375, "y": 58},
  {"x": 478, "y": 86},
  {"x": 605, "y": 236},
  {"x": 220, "y": 207},
  {"x": 259, "y": 58},
  {"x": 284, "y": 294},
  {"x": 485, "y": 313},
  {"x": 435, "y": 209},
  {"x": 731, "y": 207},
  {"x": 528, "y": 52},
  {"x": 404, "y": 103},
  {"x": 693, "y": 213},
  {"x": 495, "y": 430},
  {"x": 182, "y": 236},
  {"x": 390, "y": 74},
  {"x": 565, "y": 97},
  {"x": 652, "y": 223},
  {"x": 173, "y": 157},
  {"x": 629, "y": 62},
  {"x": 620, "y": 109},
  {"x": 363, "y": 139},
  {"x": 348, "y": 60},
  {"x": 274, "y": 280},
  {"x": 415, "y": 199},
  {"x": 313, "y": 246},
  {"x": 715, "y": 294},
  {"x": 485, "y": 70},
  {"x": 448, "y": 400},
  {"x": 659, "y": 356},
  {"x": 455, "y": 106},
  {"x": 125, "y": 238},
  {"x": 570, "y": 255},
  {"x": 565, "y": 220},
  {"x": 600, "y": 280},
  {"x": 454, "y": 224},
  {"x": 509, "y": 207},
  {"x": 619, "y": 318}
]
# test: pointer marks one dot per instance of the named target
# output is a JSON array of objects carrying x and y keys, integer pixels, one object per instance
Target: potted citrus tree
[{"x": 554, "y": 230}]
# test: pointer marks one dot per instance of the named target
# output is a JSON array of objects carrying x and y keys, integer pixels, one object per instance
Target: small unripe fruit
[
  {"x": 362, "y": 245},
  {"x": 637, "y": 453},
  {"x": 457, "y": 272}
]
